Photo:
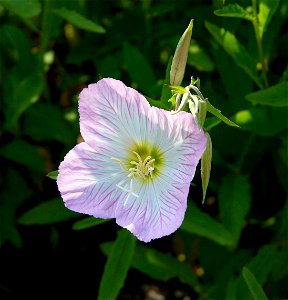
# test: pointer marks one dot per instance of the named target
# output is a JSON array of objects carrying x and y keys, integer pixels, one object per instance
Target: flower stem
[
  {"x": 195, "y": 89},
  {"x": 259, "y": 43}
]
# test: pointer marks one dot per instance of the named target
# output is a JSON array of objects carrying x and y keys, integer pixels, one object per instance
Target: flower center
[
  {"x": 142, "y": 168},
  {"x": 143, "y": 162}
]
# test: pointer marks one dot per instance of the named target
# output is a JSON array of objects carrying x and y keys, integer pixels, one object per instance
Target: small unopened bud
[{"x": 180, "y": 57}]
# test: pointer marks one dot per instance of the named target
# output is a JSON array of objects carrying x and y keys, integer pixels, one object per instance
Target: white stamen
[{"x": 142, "y": 169}]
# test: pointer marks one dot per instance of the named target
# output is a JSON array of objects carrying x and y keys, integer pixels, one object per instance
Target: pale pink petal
[
  {"x": 87, "y": 182},
  {"x": 111, "y": 112},
  {"x": 161, "y": 205},
  {"x": 158, "y": 211}
]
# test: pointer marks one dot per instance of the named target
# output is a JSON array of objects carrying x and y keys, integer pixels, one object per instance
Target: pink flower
[{"x": 136, "y": 163}]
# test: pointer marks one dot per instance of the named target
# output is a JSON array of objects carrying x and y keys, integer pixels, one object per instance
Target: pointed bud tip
[{"x": 180, "y": 57}]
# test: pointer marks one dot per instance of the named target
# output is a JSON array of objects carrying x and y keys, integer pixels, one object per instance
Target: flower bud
[{"x": 180, "y": 57}]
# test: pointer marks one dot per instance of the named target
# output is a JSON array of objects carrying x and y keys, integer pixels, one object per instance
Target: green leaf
[
  {"x": 88, "y": 223},
  {"x": 199, "y": 59},
  {"x": 253, "y": 285},
  {"x": 234, "y": 11},
  {"x": 117, "y": 266},
  {"x": 216, "y": 112},
  {"x": 51, "y": 124},
  {"x": 23, "y": 8},
  {"x": 264, "y": 121},
  {"x": 206, "y": 165},
  {"x": 158, "y": 265},
  {"x": 211, "y": 122},
  {"x": 8, "y": 227},
  {"x": 48, "y": 212},
  {"x": 177, "y": 89},
  {"x": 161, "y": 266},
  {"x": 24, "y": 154},
  {"x": 234, "y": 201},
  {"x": 236, "y": 50},
  {"x": 276, "y": 95},
  {"x": 180, "y": 57},
  {"x": 11, "y": 198},
  {"x": 16, "y": 48},
  {"x": 261, "y": 266},
  {"x": 198, "y": 222},
  {"x": 166, "y": 93},
  {"x": 26, "y": 93},
  {"x": 156, "y": 103},
  {"x": 53, "y": 175},
  {"x": 78, "y": 20},
  {"x": 138, "y": 68},
  {"x": 267, "y": 9}
]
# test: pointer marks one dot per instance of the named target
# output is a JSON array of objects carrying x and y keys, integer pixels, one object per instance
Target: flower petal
[
  {"x": 157, "y": 212},
  {"x": 87, "y": 182},
  {"x": 162, "y": 203},
  {"x": 112, "y": 115}
]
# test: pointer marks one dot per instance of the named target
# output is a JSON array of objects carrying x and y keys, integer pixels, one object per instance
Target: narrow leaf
[
  {"x": 276, "y": 95},
  {"x": 156, "y": 103},
  {"x": 236, "y": 50},
  {"x": 253, "y": 285},
  {"x": 23, "y": 8},
  {"x": 216, "y": 112},
  {"x": 211, "y": 122},
  {"x": 177, "y": 89},
  {"x": 78, "y": 20},
  {"x": 51, "y": 124},
  {"x": 234, "y": 201},
  {"x": 166, "y": 93},
  {"x": 52, "y": 175},
  {"x": 88, "y": 223},
  {"x": 157, "y": 265},
  {"x": 117, "y": 266},
  {"x": 267, "y": 9},
  {"x": 180, "y": 57},
  {"x": 27, "y": 92},
  {"x": 261, "y": 266},
  {"x": 234, "y": 11},
  {"x": 8, "y": 228},
  {"x": 206, "y": 165},
  {"x": 199, "y": 59},
  {"x": 264, "y": 121},
  {"x": 138, "y": 68},
  {"x": 198, "y": 222},
  {"x": 266, "y": 256},
  {"x": 24, "y": 154},
  {"x": 48, "y": 212}
]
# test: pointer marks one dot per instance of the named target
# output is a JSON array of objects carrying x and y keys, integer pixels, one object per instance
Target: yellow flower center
[
  {"x": 142, "y": 168},
  {"x": 143, "y": 162}
]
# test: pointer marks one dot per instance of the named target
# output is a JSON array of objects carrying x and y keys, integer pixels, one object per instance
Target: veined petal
[
  {"x": 159, "y": 210},
  {"x": 87, "y": 182},
  {"x": 112, "y": 112}
]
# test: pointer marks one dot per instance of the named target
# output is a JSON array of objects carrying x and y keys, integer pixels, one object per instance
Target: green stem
[{"x": 259, "y": 43}]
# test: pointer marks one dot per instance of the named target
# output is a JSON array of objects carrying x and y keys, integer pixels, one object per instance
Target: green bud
[
  {"x": 180, "y": 57},
  {"x": 206, "y": 165},
  {"x": 202, "y": 112}
]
